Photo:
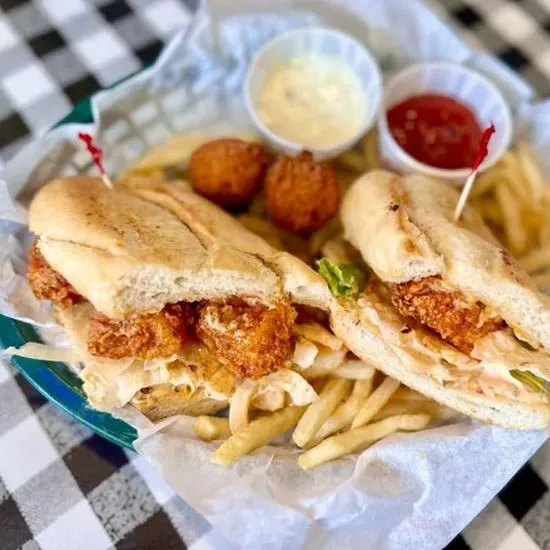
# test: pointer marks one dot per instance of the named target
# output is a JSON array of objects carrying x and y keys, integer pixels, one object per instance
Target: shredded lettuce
[
  {"x": 529, "y": 379},
  {"x": 344, "y": 280}
]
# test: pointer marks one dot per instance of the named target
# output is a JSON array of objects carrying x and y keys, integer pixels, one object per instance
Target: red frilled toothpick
[
  {"x": 97, "y": 155},
  {"x": 482, "y": 152}
]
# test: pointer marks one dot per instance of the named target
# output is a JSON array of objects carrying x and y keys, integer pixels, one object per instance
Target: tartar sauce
[{"x": 314, "y": 100}]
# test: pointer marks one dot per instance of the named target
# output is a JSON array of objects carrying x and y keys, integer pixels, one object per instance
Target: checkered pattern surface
[
  {"x": 64, "y": 488},
  {"x": 61, "y": 486},
  {"x": 53, "y": 53}
]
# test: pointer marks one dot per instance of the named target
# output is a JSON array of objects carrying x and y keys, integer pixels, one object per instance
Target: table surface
[{"x": 61, "y": 486}]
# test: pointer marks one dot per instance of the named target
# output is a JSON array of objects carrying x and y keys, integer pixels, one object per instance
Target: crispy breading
[
  {"x": 250, "y": 339},
  {"x": 48, "y": 284},
  {"x": 228, "y": 171},
  {"x": 447, "y": 312},
  {"x": 301, "y": 195},
  {"x": 145, "y": 336}
]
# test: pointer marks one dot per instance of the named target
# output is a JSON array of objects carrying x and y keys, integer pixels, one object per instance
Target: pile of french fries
[
  {"x": 347, "y": 416},
  {"x": 514, "y": 199},
  {"x": 355, "y": 406}
]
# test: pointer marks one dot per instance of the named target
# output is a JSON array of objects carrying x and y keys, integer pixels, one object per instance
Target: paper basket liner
[{"x": 410, "y": 490}]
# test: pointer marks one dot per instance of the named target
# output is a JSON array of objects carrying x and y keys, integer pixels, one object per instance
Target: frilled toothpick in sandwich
[{"x": 459, "y": 319}]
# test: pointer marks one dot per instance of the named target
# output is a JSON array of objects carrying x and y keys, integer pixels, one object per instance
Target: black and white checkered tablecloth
[{"x": 61, "y": 486}]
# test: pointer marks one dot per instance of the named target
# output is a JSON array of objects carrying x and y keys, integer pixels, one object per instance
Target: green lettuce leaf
[
  {"x": 525, "y": 345},
  {"x": 529, "y": 379},
  {"x": 344, "y": 280}
]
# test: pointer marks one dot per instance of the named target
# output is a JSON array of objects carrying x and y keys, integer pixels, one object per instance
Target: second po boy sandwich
[{"x": 461, "y": 322}]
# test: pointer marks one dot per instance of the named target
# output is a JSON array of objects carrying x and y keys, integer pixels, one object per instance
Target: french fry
[
  {"x": 257, "y": 207},
  {"x": 326, "y": 362},
  {"x": 535, "y": 261},
  {"x": 321, "y": 236},
  {"x": 531, "y": 171},
  {"x": 340, "y": 445},
  {"x": 544, "y": 236},
  {"x": 263, "y": 228},
  {"x": 489, "y": 209},
  {"x": 370, "y": 150},
  {"x": 318, "y": 384},
  {"x": 296, "y": 245},
  {"x": 176, "y": 150},
  {"x": 277, "y": 237},
  {"x": 432, "y": 408},
  {"x": 514, "y": 199},
  {"x": 346, "y": 412},
  {"x": 515, "y": 233},
  {"x": 542, "y": 280},
  {"x": 335, "y": 249},
  {"x": 375, "y": 402},
  {"x": 318, "y": 334},
  {"x": 355, "y": 369},
  {"x": 352, "y": 160},
  {"x": 209, "y": 428},
  {"x": 345, "y": 178},
  {"x": 258, "y": 433},
  {"x": 316, "y": 414},
  {"x": 532, "y": 219},
  {"x": 518, "y": 189},
  {"x": 138, "y": 180},
  {"x": 487, "y": 181},
  {"x": 515, "y": 179},
  {"x": 240, "y": 404},
  {"x": 305, "y": 353},
  {"x": 403, "y": 393},
  {"x": 165, "y": 154}
]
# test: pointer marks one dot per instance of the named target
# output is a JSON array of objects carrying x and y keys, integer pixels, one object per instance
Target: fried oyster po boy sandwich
[
  {"x": 171, "y": 305},
  {"x": 460, "y": 321}
]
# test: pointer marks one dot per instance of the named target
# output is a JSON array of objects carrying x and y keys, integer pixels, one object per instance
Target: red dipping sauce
[{"x": 436, "y": 130}]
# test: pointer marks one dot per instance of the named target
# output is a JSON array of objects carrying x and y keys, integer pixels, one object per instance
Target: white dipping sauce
[{"x": 314, "y": 100}]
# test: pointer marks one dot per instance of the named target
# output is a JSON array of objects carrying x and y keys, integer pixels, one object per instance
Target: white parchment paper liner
[{"x": 410, "y": 490}]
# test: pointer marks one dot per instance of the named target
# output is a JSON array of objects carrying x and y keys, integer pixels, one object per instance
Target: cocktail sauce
[{"x": 436, "y": 130}]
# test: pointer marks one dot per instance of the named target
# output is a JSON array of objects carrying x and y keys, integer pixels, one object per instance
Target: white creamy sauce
[{"x": 313, "y": 100}]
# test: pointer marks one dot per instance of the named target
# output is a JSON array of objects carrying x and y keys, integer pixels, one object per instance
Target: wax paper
[{"x": 409, "y": 490}]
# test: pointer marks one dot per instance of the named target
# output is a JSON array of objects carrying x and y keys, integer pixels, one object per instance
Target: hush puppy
[
  {"x": 301, "y": 195},
  {"x": 228, "y": 171}
]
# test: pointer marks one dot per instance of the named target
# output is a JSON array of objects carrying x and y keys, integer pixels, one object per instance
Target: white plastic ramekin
[
  {"x": 323, "y": 41},
  {"x": 456, "y": 81}
]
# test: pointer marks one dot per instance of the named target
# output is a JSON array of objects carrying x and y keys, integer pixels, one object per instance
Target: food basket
[{"x": 197, "y": 78}]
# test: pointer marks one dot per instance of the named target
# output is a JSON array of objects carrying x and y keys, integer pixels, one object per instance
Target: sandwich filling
[
  {"x": 251, "y": 339},
  {"x": 47, "y": 284},
  {"x": 146, "y": 336},
  {"x": 459, "y": 321},
  {"x": 439, "y": 331},
  {"x": 472, "y": 328},
  {"x": 496, "y": 365},
  {"x": 209, "y": 346}
]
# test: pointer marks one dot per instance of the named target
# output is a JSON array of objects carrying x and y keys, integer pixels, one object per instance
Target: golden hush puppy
[
  {"x": 301, "y": 195},
  {"x": 228, "y": 171}
]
